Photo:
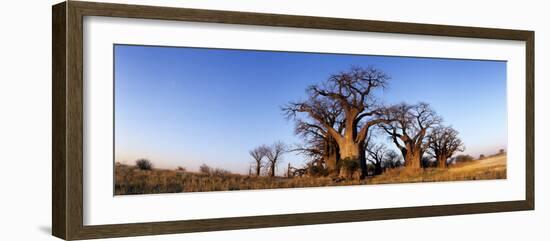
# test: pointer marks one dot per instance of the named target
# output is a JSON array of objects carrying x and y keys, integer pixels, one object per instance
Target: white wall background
[{"x": 25, "y": 120}]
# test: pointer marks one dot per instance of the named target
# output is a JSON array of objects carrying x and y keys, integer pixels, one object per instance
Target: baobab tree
[
  {"x": 444, "y": 143},
  {"x": 258, "y": 154},
  {"x": 392, "y": 160},
  {"x": 409, "y": 129},
  {"x": 273, "y": 154},
  {"x": 319, "y": 145},
  {"x": 376, "y": 154},
  {"x": 353, "y": 92},
  {"x": 321, "y": 150}
]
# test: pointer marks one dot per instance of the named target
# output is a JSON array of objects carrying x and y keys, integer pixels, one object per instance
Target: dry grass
[
  {"x": 486, "y": 169},
  {"x": 131, "y": 180}
]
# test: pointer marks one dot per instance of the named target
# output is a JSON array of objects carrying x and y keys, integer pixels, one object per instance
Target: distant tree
[
  {"x": 443, "y": 143},
  {"x": 258, "y": 154},
  {"x": 181, "y": 169},
  {"x": 274, "y": 154},
  {"x": 463, "y": 158},
  {"x": 501, "y": 151},
  {"x": 428, "y": 161},
  {"x": 288, "y": 170},
  {"x": 219, "y": 172},
  {"x": 376, "y": 154},
  {"x": 144, "y": 164},
  {"x": 316, "y": 170},
  {"x": 392, "y": 160},
  {"x": 481, "y": 157},
  {"x": 409, "y": 130},
  {"x": 205, "y": 169}
]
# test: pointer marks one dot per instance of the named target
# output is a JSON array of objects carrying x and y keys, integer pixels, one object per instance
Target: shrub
[
  {"x": 428, "y": 162},
  {"x": 317, "y": 171},
  {"x": 144, "y": 164},
  {"x": 220, "y": 172},
  {"x": 181, "y": 169},
  {"x": 205, "y": 169},
  {"x": 349, "y": 164},
  {"x": 463, "y": 158}
]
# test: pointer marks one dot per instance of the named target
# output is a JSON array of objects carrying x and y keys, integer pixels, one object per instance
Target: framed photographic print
[{"x": 171, "y": 120}]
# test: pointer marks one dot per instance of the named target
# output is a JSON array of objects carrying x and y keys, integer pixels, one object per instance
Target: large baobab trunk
[
  {"x": 413, "y": 159},
  {"x": 349, "y": 146},
  {"x": 349, "y": 150},
  {"x": 352, "y": 153},
  {"x": 441, "y": 161}
]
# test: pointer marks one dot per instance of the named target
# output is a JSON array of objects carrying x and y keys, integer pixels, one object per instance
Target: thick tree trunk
[
  {"x": 272, "y": 170},
  {"x": 332, "y": 157},
  {"x": 331, "y": 162},
  {"x": 349, "y": 150},
  {"x": 413, "y": 159},
  {"x": 350, "y": 153},
  {"x": 441, "y": 161},
  {"x": 258, "y": 169},
  {"x": 412, "y": 156}
]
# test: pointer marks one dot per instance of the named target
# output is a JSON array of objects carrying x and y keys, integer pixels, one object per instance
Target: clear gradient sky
[{"x": 188, "y": 106}]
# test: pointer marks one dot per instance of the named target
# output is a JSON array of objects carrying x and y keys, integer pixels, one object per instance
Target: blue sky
[{"x": 188, "y": 106}]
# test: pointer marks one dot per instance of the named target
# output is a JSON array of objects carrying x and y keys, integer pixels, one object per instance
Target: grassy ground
[
  {"x": 486, "y": 169},
  {"x": 131, "y": 180}
]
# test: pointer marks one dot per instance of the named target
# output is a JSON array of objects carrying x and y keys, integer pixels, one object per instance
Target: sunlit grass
[
  {"x": 486, "y": 169},
  {"x": 132, "y": 180}
]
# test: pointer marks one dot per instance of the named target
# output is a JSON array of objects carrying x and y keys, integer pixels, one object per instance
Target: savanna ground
[{"x": 132, "y": 180}]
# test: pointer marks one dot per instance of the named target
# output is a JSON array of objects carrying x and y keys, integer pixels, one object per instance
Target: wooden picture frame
[{"x": 67, "y": 124}]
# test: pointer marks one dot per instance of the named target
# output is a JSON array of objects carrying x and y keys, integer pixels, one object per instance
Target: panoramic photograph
[{"x": 192, "y": 119}]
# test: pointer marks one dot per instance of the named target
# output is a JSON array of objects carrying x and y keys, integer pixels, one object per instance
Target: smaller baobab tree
[
  {"x": 273, "y": 155},
  {"x": 376, "y": 154},
  {"x": 258, "y": 154},
  {"x": 444, "y": 143},
  {"x": 319, "y": 145},
  {"x": 392, "y": 160},
  {"x": 409, "y": 129}
]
